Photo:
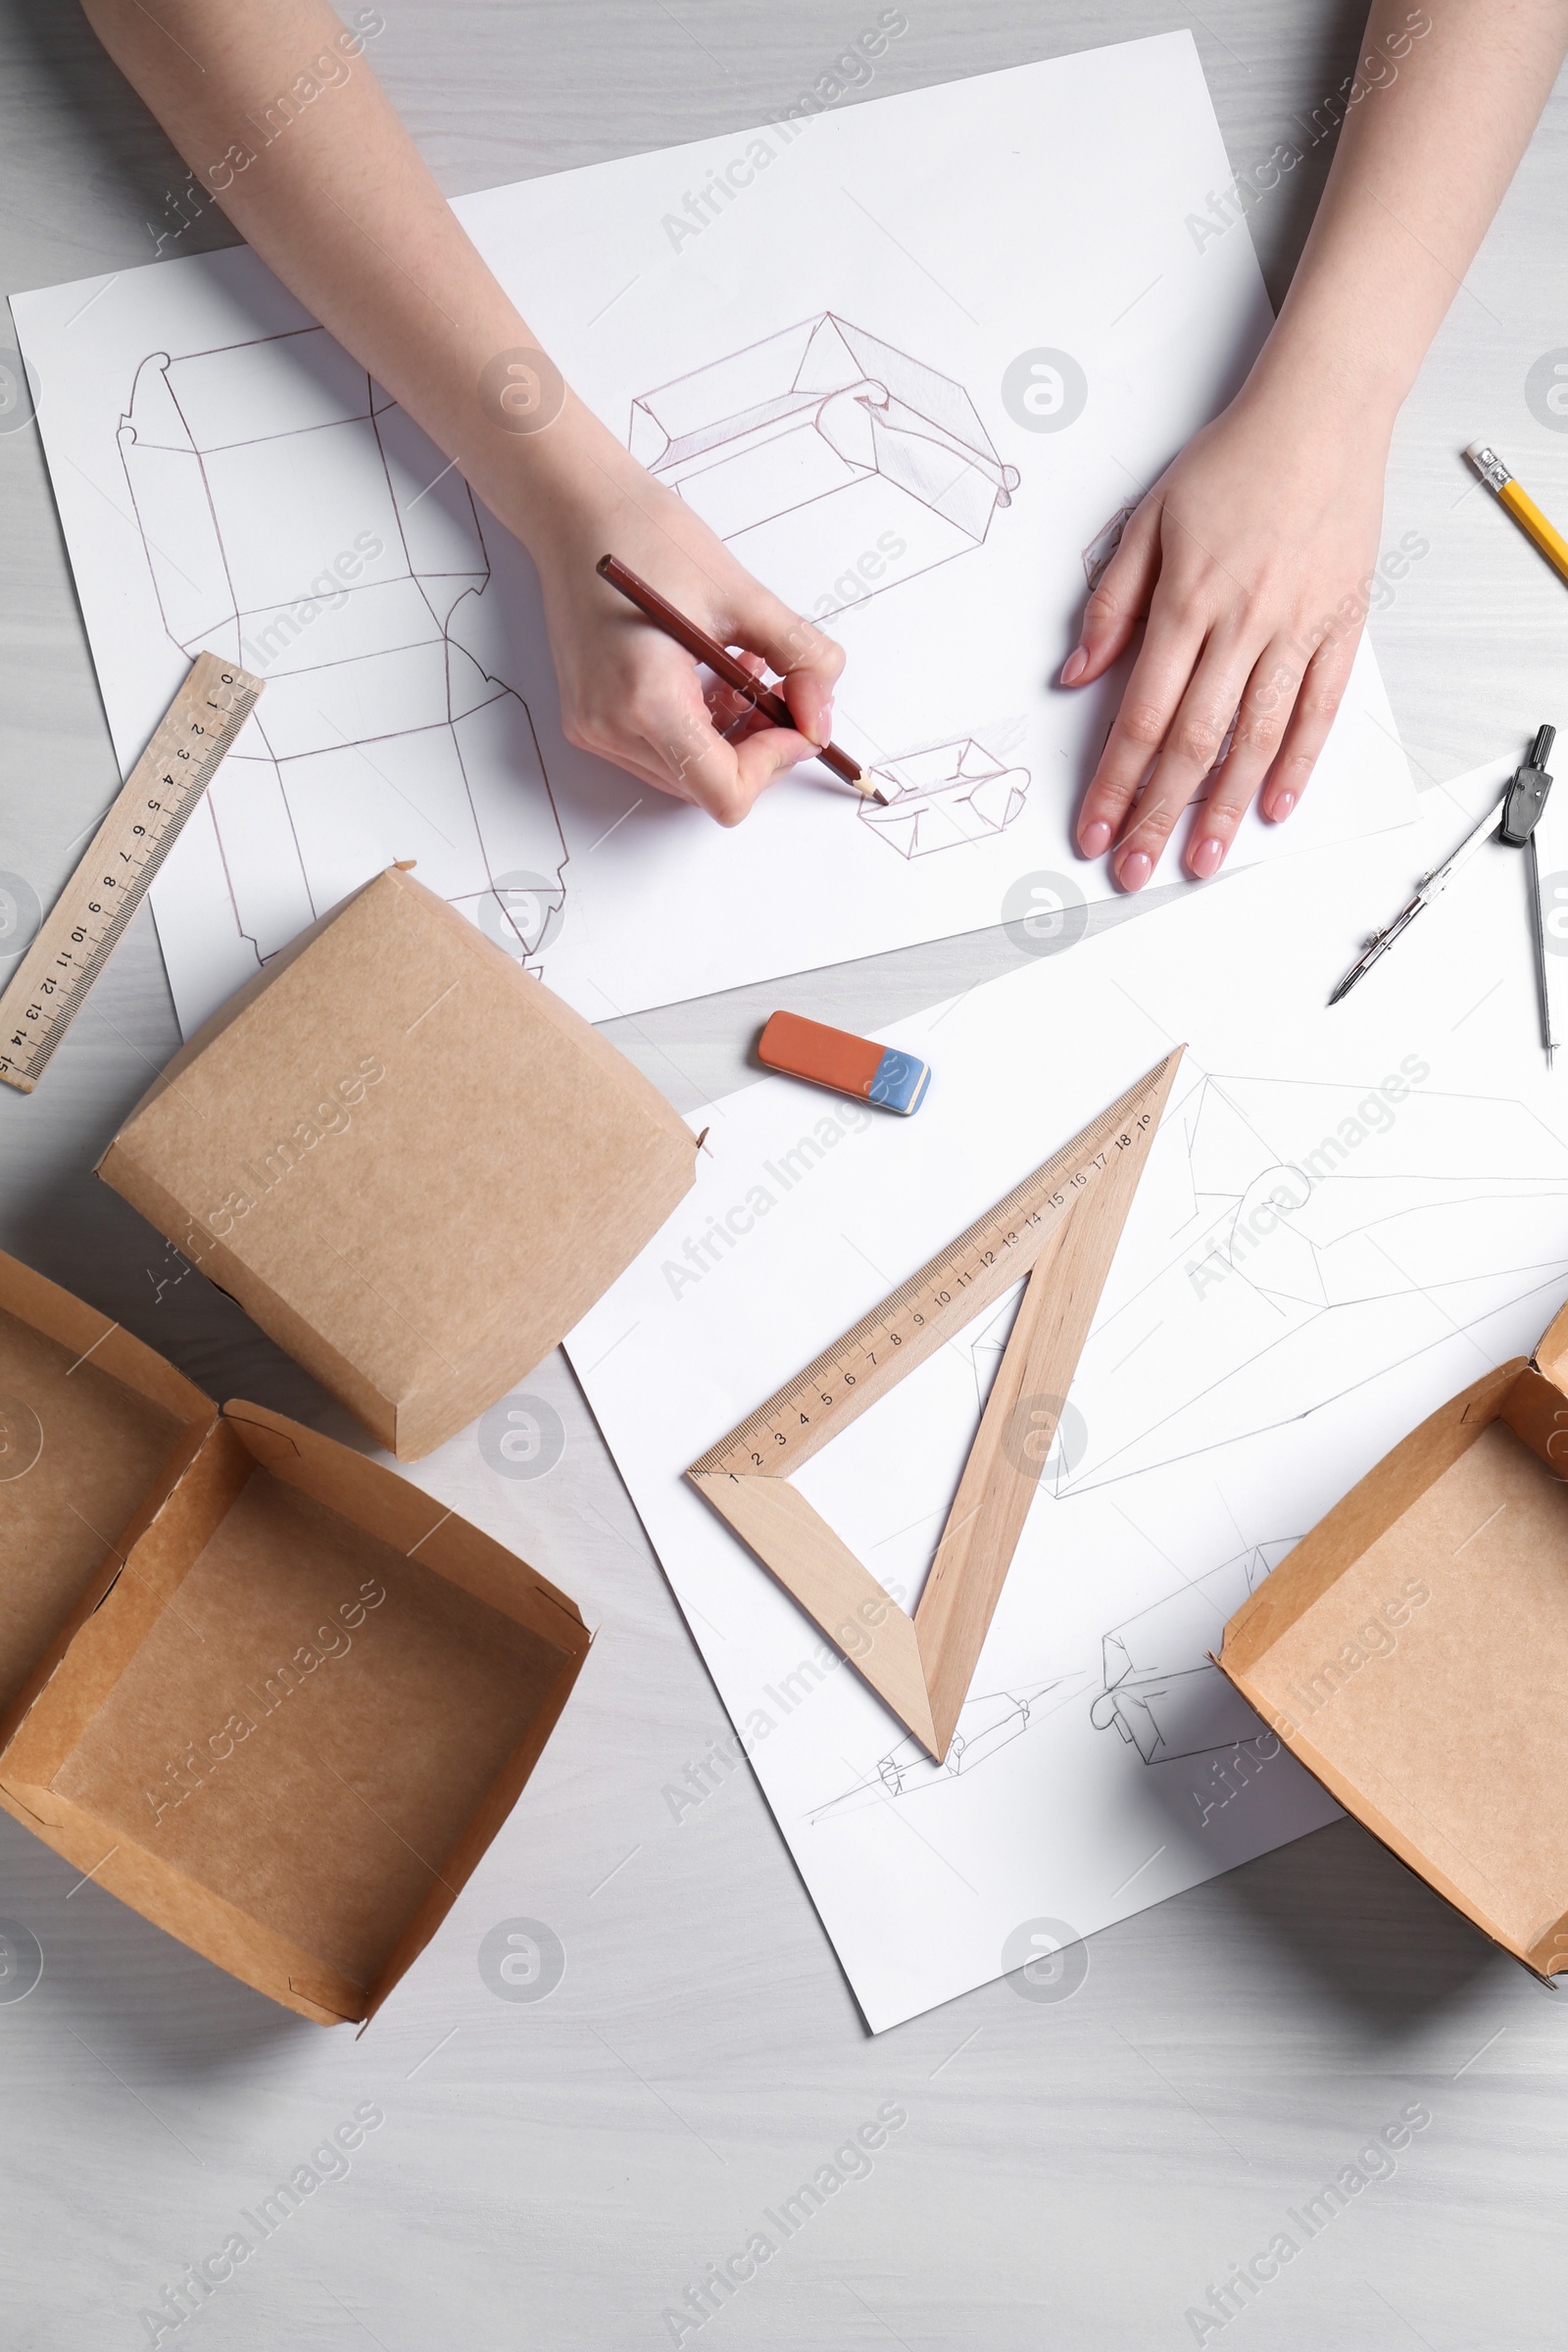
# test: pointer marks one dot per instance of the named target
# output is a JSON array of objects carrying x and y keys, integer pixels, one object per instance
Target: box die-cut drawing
[
  {"x": 1287, "y": 1252},
  {"x": 939, "y": 798},
  {"x": 1413, "y": 1651},
  {"x": 409, "y": 1161},
  {"x": 293, "y": 520},
  {"x": 834, "y": 465},
  {"x": 276, "y": 1699}
]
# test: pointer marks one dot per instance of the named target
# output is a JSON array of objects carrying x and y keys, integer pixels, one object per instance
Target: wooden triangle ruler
[{"x": 1060, "y": 1227}]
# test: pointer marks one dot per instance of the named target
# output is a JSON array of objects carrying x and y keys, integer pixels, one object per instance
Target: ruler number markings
[
  {"x": 136, "y": 833},
  {"x": 918, "y": 1305}
]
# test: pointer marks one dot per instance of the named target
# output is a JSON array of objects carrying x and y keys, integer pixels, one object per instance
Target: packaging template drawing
[{"x": 278, "y": 533}]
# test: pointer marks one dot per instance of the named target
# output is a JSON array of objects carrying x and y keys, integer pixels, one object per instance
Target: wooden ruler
[
  {"x": 47, "y": 989},
  {"x": 1059, "y": 1227}
]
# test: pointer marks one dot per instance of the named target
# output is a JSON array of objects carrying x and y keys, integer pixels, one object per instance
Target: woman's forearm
[
  {"x": 275, "y": 110},
  {"x": 331, "y": 192},
  {"x": 1441, "y": 108}
]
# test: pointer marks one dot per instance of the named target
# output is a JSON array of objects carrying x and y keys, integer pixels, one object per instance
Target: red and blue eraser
[{"x": 849, "y": 1064}]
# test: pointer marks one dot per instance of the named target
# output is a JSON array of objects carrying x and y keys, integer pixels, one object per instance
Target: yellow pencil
[{"x": 1520, "y": 505}]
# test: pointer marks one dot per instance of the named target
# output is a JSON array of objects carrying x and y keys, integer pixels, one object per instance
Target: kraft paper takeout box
[
  {"x": 264, "y": 1691},
  {"x": 413, "y": 1165},
  {"x": 1413, "y": 1653}
]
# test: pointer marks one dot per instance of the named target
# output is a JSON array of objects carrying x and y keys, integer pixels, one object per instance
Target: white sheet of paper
[
  {"x": 864, "y": 368},
  {"x": 1312, "y": 1264}
]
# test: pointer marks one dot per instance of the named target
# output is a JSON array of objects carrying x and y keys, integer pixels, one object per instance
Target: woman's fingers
[
  {"x": 1119, "y": 598},
  {"x": 711, "y": 749},
  {"x": 1189, "y": 750},
  {"x": 633, "y": 695},
  {"x": 726, "y": 778},
  {"x": 732, "y": 712},
  {"x": 724, "y": 752},
  {"x": 1322, "y": 691},
  {"x": 1284, "y": 723},
  {"x": 806, "y": 663},
  {"x": 1153, "y": 693},
  {"x": 1260, "y": 724},
  {"x": 728, "y": 753}
]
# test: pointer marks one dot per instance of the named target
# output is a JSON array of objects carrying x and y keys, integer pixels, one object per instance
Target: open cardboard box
[
  {"x": 1413, "y": 1653},
  {"x": 265, "y": 1691}
]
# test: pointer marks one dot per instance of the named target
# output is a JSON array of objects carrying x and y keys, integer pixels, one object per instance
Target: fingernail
[
  {"x": 1280, "y": 806},
  {"x": 1205, "y": 857},
  {"x": 821, "y": 729},
  {"x": 1135, "y": 870},
  {"x": 1072, "y": 670},
  {"x": 1096, "y": 839}
]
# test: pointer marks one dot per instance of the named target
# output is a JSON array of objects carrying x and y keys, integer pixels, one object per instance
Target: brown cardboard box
[
  {"x": 264, "y": 1691},
  {"x": 1413, "y": 1653},
  {"x": 409, "y": 1161}
]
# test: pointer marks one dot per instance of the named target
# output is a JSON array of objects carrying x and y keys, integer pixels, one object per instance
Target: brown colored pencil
[{"x": 723, "y": 664}]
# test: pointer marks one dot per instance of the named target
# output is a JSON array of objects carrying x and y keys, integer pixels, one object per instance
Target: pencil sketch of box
[
  {"x": 937, "y": 798},
  {"x": 986, "y": 1725},
  {"x": 1160, "y": 1690},
  {"x": 295, "y": 519},
  {"x": 833, "y": 464}
]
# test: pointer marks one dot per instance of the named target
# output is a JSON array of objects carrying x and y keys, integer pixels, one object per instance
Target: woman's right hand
[{"x": 627, "y": 691}]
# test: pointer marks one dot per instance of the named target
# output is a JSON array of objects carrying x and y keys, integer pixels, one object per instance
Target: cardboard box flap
[
  {"x": 489, "y": 1816},
  {"x": 203, "y": 1921},
  {"x": 1366, "y": 1513},
  {"x": 403, "y": 1516},
  {"x": 1414, "y": 1651},
  {"x": 1551, "y": 1350},
  {"x": 142, "y": 1591},
  {"x": 93, "y": 1429}
]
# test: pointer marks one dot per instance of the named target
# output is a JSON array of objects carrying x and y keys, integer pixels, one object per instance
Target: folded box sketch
[
  {"x": 986, "y": 1725},
  {"x": 937, "y": 798},
  {"x": 294, "y": 518},
  {"x": 1161, "y": 1691},
  {"x": 833, "y": 464}
]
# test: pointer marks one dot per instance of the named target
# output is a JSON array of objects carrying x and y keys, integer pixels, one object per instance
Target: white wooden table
[{"x": 558, "y": 2173}]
